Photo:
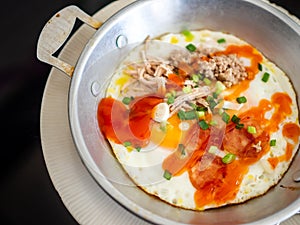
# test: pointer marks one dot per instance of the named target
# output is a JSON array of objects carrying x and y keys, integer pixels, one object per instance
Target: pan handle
[{"x": 55, "y": 33}]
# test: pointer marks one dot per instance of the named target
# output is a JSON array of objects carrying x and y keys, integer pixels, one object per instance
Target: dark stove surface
[{"x": 26, "y": 191}]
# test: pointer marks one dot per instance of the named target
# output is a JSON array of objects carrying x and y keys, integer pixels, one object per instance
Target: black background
[{"x": 27, "y": 195}]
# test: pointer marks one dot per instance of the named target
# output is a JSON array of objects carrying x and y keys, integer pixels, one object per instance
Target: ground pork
[{"x": 228, "y": 69}]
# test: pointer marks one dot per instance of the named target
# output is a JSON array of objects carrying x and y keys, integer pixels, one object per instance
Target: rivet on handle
[{"x": 55, "y": 33}]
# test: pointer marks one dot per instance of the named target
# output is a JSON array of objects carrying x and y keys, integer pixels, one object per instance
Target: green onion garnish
[
  {"x": 251, "y": 130},
  {"x": 260, "y": 67},
  {"x": 191, "y": 47},
  {"x": 188, "y": 115},
  {"x": 220, "y": 87},
  {"x": 201, "y": 76},
  {"x": 203, "y": 125},
  {"x": 181, "y": 149},
  {"x": 138, "y": 149},
  {"x": 228, "y": 158},
  {"x": 188, "y": 35},
  {"x": 200, "y": 113},
  {"x": 273, "y": 142},
  {"x": 194, "y": 106},
  {"x": 222, "y": 40},
  {"x": 181, "y": 115},
  {"x": 207, "y": 81},
  {"x": 202, "y": 109},
  {"x": 186, "y": 89},
  {"x": 265, "y": 77},
  {"x": 213, "y": 123},
  {"x": 235, "y": 119},
  {"x": 168, "y": 95},
  {"x": 241, "y": 99},
  {"x": 167, "y": 175},
  {"x": 215, "y": 95},
  {"x": 127, "y": 143},
  {"x": 186, "y": 32},
  {"x": 225, "y": 117},
  {"x": 220, "y": 111},
  {"x": 163, "y": 127},
  {"x": 195, "y": 78},
  {"x": 239, "y": 126},
  {"x": 170, "y": 100},
  {"x": 211, "y": 101},
  {"x": 127, "y": 100}
]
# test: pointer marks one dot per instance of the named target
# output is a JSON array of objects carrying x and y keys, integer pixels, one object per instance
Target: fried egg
[{"x": 213, "y": 122}]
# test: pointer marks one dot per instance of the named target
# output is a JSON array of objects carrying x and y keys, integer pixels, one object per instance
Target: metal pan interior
[{"x": 270, "y": 30}]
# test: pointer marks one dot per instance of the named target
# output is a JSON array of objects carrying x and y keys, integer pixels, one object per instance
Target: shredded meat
[
  {"x": 152, "y": 73},
  {"x": 195, "y": 96}
]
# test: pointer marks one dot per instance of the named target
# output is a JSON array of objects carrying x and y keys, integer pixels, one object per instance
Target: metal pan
[{"x": 268, "y": 28}]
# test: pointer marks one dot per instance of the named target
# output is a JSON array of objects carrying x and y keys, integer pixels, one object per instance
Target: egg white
[{"x": 145, "y": 167}]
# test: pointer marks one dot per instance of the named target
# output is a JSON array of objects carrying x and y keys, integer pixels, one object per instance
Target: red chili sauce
[{"x": 215, "y": 181}]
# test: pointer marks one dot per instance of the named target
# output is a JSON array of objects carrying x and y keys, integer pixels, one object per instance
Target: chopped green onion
[
  {"x": 260, "y": 67},
  {"x": 220, "y": 87},
  {"x": 195, "y": 78},
  {"x": 127, "y": 143},
  {"x": 213, "y": 123},
  {"x": 191, "y": 47},
  {"x": 168, "y": 95},
  {"x": 138, "y": 149},
  {"x": 203, "y": 125},
  {"x": 188, "y": 115},
  {"x": 222, "y": 40},
  {"x": 127, "y": 100},
  {"x": 167, "y": 175},
  {"x": 207, "y": 81},
  {"x": 273, "y": 142},
  {"x": 181, "y": 149},
  {"x": 194, "y": 106},
  {"x": 241, "y": 99},
  {"x": 228, "y": 158},
  {"x": 225, "y": 117},
  {"x": 181, "y": 115},
  {"x": 186, "y": 32},
  {"x": 251, "y": 130},
  {"x": 173, "y": 92},
  {"x": 239, "y": 126},
  {"x": 215, "y": 95},
  {"x": 235, "y": 119},
  {"x": 202, "y": 109},
  {"x": 265, "y": 77},
  {"x": 163, "y": 127},
  {"x": 211, "y": 101},
  {"x": 200, "y": 114},
  {"x": 170, "y": 100},
  {"x": 201, "y": 76},
  {"x": 187, "y": 89},
  {"x": 213, "y": 149},
  {"x": 188, "y": 35}
]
